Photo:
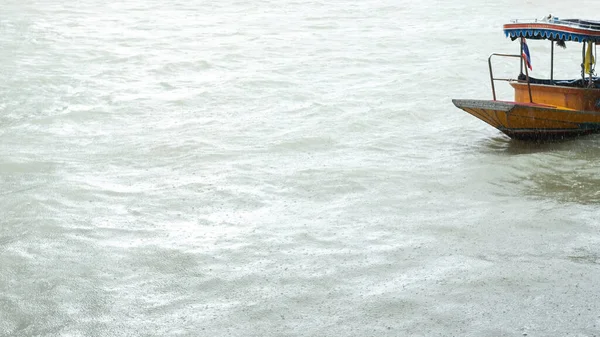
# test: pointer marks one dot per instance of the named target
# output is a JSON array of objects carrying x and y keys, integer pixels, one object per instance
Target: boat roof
[{"x": 552, "y": 28}]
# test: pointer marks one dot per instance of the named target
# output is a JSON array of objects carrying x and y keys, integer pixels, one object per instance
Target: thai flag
[{"x": 526, "y": 55}]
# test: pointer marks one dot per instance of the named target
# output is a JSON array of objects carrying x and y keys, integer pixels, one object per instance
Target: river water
[{"x": 283, "y": 168}]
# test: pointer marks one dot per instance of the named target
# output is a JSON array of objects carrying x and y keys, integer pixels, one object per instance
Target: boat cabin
[{"x": 582, "y": 93}]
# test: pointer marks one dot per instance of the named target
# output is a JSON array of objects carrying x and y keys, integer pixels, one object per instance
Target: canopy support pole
[
  {"x": 583, "y": 63},
  {"x": 591, "y": 65},
  {"x": 552, "y": 61}
]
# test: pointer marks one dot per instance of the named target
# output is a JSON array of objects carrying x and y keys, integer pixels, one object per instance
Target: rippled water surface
[{"x": 283, "y": 168}]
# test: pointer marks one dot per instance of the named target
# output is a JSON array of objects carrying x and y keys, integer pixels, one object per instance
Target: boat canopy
[{"x": 552, "y": 28}]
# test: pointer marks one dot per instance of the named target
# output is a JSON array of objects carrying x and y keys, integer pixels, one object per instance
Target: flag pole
[{"x": 521, "y": 53}]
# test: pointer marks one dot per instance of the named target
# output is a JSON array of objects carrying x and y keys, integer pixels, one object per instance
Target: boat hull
[{"x": 530, "y": 121}]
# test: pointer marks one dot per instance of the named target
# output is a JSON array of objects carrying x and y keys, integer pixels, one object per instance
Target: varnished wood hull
[
  {"x": 532, "y": 121},
  {"x": 582, "y": 99}
]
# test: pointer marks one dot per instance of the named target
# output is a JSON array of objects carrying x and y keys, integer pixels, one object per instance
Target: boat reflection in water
[{"x": 562, "y": 172}]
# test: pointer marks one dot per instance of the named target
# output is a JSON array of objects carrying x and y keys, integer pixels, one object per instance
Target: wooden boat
[{"x": 545, "y": 108}]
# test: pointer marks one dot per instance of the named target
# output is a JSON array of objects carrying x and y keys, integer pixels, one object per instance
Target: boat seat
[{"x": 578, "y": 83}]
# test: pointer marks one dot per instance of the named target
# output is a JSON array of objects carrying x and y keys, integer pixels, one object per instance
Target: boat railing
[{"x": 507, "y": 79}]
